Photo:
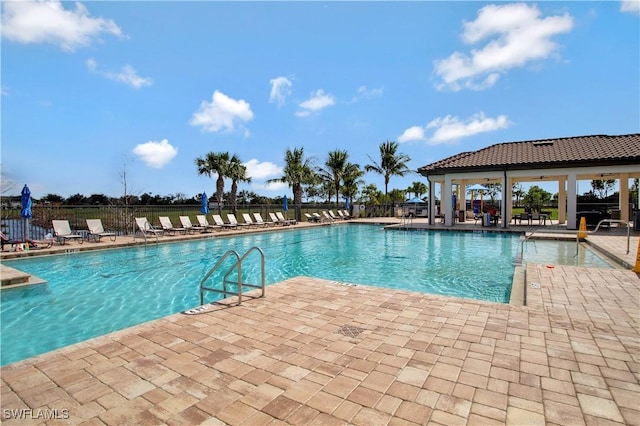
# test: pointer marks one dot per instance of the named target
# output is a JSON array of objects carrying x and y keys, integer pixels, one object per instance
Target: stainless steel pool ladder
[
  {"x": 144, "y": 233},
  {"x": 237, "y": 265}
]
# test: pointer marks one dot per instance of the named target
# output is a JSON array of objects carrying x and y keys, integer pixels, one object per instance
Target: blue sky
[{"x": 90, "y": 89}]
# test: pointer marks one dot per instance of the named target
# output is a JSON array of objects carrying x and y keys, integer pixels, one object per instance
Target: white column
[
  {"x": 562, "y": 200},
  {"x": 623, "y": 197},
  {"x": 572, "y": 201},
  {"x": 463, "y": 197},
  {"x": 447, "y": 207},
  {"x": 432, "y": 201},
  {"x": 505, "y": 203}
]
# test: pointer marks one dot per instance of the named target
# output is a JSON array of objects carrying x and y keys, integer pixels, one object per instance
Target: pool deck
[{"x": 328, "y": 353}]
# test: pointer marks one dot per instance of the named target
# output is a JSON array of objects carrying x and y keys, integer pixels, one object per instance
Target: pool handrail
[
  {"x": 237, "y": 265},
  {"x": 610, "y": 221}
]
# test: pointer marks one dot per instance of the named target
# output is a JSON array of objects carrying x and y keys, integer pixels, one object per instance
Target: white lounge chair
[
  {"x": 168, "y": 227},
  {"x": 234, "y": 221},
  {"x": 248, "y": 220},
  {"x": 145, "y": 227},
  {"x": 275, "y": 220},
  {"x": 311, "y": 218},
  {"x": 319, "y": 218},
  {"x": 260, "y": 221},
  {"x": 327, "y": 216},
  {"x": 203, "y": 222},
  {"x": 96, "y": 230},
  {"x": 333, "y": 215},
  {"x": 62, "y": 232},
  {"x": 185, "y": 221},
  {"x": 218, "y": 221},
  {"x": 286, "y": 221}
]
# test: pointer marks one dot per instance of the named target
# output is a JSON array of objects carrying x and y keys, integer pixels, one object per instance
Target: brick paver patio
[{"x": 320, "y": 352}]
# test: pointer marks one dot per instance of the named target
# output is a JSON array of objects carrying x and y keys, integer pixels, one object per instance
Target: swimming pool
[{"x": 89, "y": 294}]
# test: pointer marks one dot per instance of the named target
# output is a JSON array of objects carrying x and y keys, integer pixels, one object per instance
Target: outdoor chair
[
  {"x": 62, "y": 232},
  {"x": 203, "y": 222},
  {"x": 6, "y": 240},
  {"x": 536, "y": 216},
  {"x": 234, "y": 221},
  {"x": 145, "y": 227},
  {"x": 189, "y": 227},
  {"x": 525, "y": 216},
  {"x": 333, "y": 215},
  {"x": 217, "y": 219},
  {"x": 311, "y": 218},
  {"x": 168, "y": 227},
  {"x": 96, "y": 230},
  {"x": 259, "y": 220},
  {"x": 327, "y": 216},
  {"x": 277, "y": 221},
  {"x": 250, "y": 222},
  {"x": 284, "y": 220}
]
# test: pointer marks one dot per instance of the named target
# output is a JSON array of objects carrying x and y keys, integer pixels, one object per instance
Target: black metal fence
[{"x": 121, "y": 219}]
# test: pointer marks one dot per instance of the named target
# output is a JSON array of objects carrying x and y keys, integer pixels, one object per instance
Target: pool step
[{"x": 10, "y": 277}]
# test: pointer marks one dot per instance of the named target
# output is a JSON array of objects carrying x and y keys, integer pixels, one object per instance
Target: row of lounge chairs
[
  {"x": 203, "y": 225},
  {"x": 96, "y": 231},
  {"x": 328, "y": 216}
]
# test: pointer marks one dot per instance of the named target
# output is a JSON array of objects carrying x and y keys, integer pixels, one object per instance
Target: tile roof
[{"x": 591, "y": 150}]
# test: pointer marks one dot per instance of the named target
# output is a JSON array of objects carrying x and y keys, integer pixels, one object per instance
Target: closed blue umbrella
[
  {"x": 205, "y": 204},
  {"x": 285, "y": 204},
  {"x": 346, "y": 203},
  {"x": 25, "y": 212}
]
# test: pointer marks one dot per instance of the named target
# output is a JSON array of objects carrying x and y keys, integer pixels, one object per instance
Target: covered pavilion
[{"x": 563, "y": 160}]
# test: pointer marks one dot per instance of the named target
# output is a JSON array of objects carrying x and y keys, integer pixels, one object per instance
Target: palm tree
[
  {"x": 417, "y": 188},
  {"x": 334, "y": 170},
  {"x": 391, "y": 163},
  {"x": 237, "y": 173},
  {"x": 297, "y": 171},
  {"x": 215, "y": 162},
  {"x": 351, "y": 180}
]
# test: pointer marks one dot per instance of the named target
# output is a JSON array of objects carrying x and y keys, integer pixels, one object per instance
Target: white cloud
[
  {"x": 280, "y": 89},
  {"x": 364, "y": 93},
  {"x": 221, "y": 113},
  {"x": 450, "y": 129},
  {"x": 127, "y": 75},
  {"x": 48, "y": 22},
  {"x": 414, "y": 133},
  {"x": 262, "y": 171},
  {"x": 156, "y": 154},
  {"x": 516, "y": 34},
  {"x": 318, "y": 101},
  {"x": 630, "y": 6},
  {"x": 275, "y": 187}
]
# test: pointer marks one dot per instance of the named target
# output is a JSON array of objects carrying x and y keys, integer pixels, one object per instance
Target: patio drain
[{"x": 350, "y": 331}]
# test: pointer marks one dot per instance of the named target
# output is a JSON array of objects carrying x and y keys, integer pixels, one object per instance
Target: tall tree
[
  {"x": 237, "y": 173},
  {"x": 601, "y": 187},
  {"x": 297, "y": 171},
  {"x": 215, "y": 163},
  {"x": 334, "y": 170},
  {"x": 417, "y": 188},
  {"x": 351, "y": 180},
  {"x": 518, "y": 192},
  {"x": 391, "y": 163},
  {"x": 371, "y": 194}
]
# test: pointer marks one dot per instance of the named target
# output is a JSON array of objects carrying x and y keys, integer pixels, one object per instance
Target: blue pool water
[{"x": 89, "y": 294}]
